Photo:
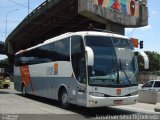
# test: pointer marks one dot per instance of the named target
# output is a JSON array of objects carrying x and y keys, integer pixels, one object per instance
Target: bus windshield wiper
[{"x": 121, "y": 69}]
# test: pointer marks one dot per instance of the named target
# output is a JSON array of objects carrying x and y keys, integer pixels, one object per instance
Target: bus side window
[{"x": 78, "y": 58}]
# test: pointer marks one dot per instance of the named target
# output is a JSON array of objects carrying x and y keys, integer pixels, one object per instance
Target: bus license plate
[{"x": 118, "y": 102}]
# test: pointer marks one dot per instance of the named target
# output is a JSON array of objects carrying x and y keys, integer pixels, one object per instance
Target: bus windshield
[{"x": 114, "y": 62}]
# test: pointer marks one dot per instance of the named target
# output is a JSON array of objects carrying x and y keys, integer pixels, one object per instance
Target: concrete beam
[
  {"x": 124, "y": 15},
  {"x": 2, "y": 48},
  {"x": 55, "y": 17}
]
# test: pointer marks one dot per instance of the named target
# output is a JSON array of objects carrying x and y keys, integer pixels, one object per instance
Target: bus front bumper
[{"x": 94, "y": 101}]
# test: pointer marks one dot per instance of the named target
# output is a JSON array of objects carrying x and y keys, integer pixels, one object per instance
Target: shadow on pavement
[
  {"x": 4, "y": 92},
  {"x": 86, "y": 112}
]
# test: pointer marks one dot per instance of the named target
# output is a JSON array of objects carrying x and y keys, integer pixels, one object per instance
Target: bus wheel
[
  {"x": 64, "y": 99},
  {"x": 23, "y": 90}
]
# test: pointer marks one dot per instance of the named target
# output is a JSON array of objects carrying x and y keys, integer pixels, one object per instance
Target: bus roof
[{"x": 69, "y": 34}]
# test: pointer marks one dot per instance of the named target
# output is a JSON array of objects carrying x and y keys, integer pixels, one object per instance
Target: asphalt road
[{"x": 15, "y": 106}]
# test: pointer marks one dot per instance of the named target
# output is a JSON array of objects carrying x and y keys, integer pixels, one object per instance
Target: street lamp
[{"x": 7, "y": 20}]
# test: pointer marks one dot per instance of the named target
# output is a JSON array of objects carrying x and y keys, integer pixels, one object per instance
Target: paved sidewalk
[{"x": 140, "y": 107}]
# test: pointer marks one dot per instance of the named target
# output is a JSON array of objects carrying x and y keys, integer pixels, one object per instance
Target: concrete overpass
[
  {"x": 2, "y": 48},
  {"x": 54, "y": 17},
  {"x": 8, "y": 68}
]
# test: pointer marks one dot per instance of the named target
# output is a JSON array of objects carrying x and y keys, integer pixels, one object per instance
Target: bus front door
[{"x": 81, "y": 84}]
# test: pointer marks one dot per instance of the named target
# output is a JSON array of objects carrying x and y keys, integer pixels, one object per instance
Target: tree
[{"x": 154, "y": 61}]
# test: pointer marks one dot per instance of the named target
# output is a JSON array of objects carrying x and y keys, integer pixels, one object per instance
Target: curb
[{"x": 157, "y": 109}]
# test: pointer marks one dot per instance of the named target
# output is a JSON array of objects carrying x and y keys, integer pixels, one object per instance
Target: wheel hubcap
[{"x": 65, "y": 98}]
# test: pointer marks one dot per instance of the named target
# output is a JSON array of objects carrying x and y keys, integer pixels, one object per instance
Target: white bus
[{"x": 91, "y": 69}]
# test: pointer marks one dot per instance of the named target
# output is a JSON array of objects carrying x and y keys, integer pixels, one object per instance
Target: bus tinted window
[
  {"x": 58, "y": 51},
  {"x": 62, "y": 49},
  {"x": 99, "y": 41},
  {"x": 125, "y": 43},
  {"x": 78, "y": 58}
]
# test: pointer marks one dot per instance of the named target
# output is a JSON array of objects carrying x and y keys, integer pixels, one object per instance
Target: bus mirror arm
[
  {"x": 90, "y": 56},
  {"x": 145, "y": 57}
]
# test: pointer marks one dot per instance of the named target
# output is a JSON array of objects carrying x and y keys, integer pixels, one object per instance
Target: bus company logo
[
  {"x": 118, "y": 91},
  {"x": 56, "y": 69},
  {"x": 53, "y": 70}
]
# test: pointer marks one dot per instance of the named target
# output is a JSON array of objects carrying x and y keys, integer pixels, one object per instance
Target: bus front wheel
[{"x": 64, "y": 99}]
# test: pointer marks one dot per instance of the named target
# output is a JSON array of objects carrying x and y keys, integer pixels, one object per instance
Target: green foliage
[{"x": 154, "y": 61}]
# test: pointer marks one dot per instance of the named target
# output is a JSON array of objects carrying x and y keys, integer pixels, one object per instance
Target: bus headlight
[
  {"x": 134, "y": 93},
  {"x": 96, "y": 94}
]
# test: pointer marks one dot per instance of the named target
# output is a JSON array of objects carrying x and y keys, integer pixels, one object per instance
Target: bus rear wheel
[
  {"x": 23, "y": 90},
  {"x": 64, "y": 98}
]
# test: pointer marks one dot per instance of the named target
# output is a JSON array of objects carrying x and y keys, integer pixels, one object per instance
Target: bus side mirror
[
  {"x": 145, "y": 57},
  {"x": 90, "y": 56}
]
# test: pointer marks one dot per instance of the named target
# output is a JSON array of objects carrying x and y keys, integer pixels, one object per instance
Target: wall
[{"x": 148, "y": 96}]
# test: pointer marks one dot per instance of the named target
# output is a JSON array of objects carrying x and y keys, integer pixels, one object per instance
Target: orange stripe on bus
[{"x": 25, "y": 76}]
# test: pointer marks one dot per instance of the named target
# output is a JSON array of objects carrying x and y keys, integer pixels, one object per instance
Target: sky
[
  {"x": 16, "y": 10},
  {"x": 149, "y": 34}
]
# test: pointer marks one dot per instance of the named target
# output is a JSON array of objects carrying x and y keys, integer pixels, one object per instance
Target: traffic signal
[{"x": 141, "y": 44}]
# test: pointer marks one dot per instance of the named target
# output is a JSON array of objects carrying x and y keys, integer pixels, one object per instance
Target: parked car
[
  {"x": 152, "y": 85},
  {"x": 4, "y": 82}
]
